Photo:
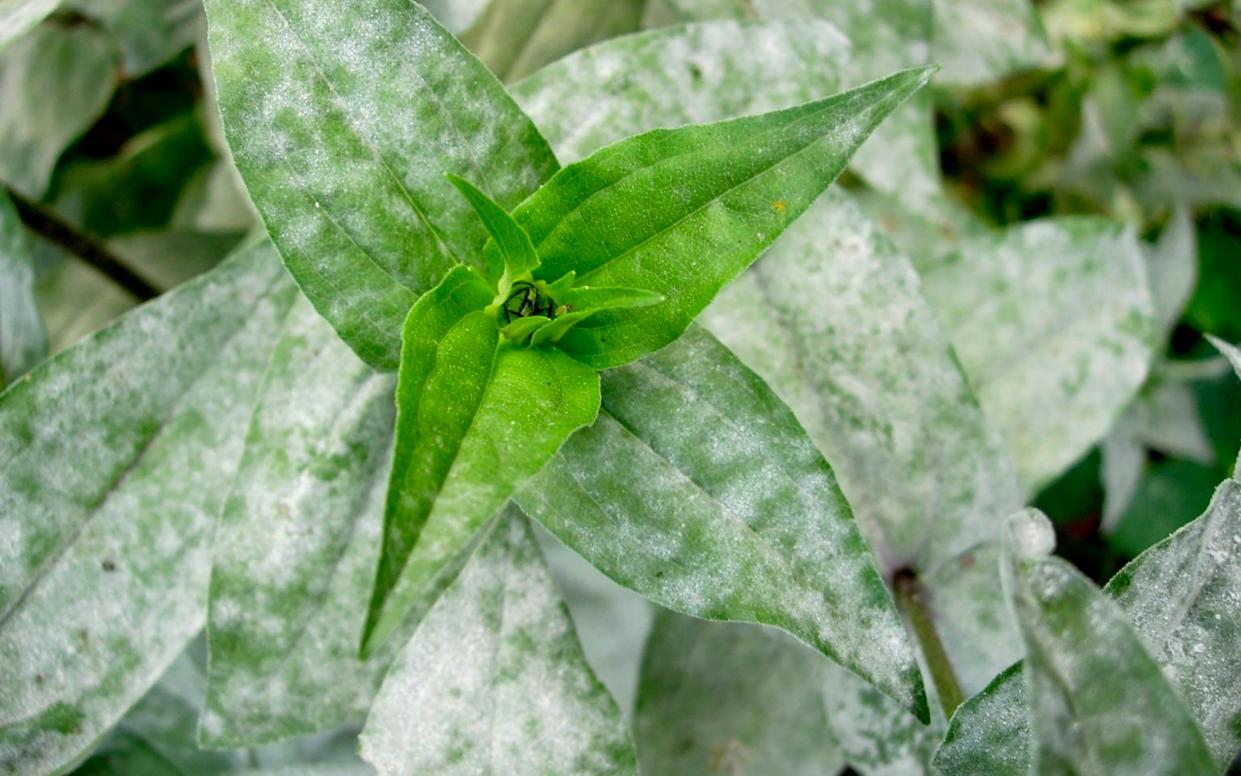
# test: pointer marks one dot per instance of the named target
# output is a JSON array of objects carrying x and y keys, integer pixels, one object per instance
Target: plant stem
[
  {"x": 911, "y": 600},
  {"x": 44, "y": 222}
]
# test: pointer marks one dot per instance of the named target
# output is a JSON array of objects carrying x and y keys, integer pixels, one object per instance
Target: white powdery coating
[
  {"x": 17, "y": 16},
  {"x": 295, "y": 552},
  {"x": 493, "y": 680},
  {"x": 343, "y": 122},
  {"x": 700, "y": 73},
  {"x": 1053, "y": 323},
  {"x": 23, "y": 340},
  {"x": 979, "y": 41},
  {"x": 102, "y": 466},
  {"x": 877, "y": 737}
]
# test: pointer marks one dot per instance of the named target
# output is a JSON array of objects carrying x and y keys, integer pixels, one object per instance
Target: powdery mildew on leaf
[
  {"x": 295, "y": 551},
  {"x": 493, "y": 681},
  {"x": 110, "y": 484},
  {"x": 1053, "y": 323},
  {"x": 731, "y": 698},
  {"x": 883, "y": 35},
  {"x": 343, "y": 125},
  {"x": 978, "y": 41},
  {"x": 23, "y": 340},
  {"x": 1098, "y": 702},
  {"x": 698, "y": 489}
]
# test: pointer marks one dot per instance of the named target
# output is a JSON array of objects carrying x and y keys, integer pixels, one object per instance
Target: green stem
[{"x": 911, "y": 599}]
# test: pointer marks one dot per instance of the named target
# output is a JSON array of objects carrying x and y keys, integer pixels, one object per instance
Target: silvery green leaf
[
  {"x": 1172, "y": 269},
  {"x": 1098, "y": 702},
  {"x": 54, "y": 83},
  {"x": 876, "y": 736},
  {"x": 977, "y": 41},
  {"x": 731, "y": 698},
  {"x": 23, "y": 340},
  {"x": 517, "y": 37},
  {"x": 901, "y": 158},
  {"x": 343, "y": 127},
  {"x": 493, "y": 681},
  {"x": 296, "y": 545},
  {"x": 988, "y": 735},
  {"x": 19, "y": 16},
  {"x": 1053, "y": 323},
  {"x": 737, "y": 516},
  {"x": 74, "y": 299},
  {"x": 148, "y": 32},
  {"x": 456, "y": 15},
  {"x": 108, "y": 493}
]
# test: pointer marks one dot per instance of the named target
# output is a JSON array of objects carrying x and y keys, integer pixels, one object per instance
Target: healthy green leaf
[
  {"x": 682, "y": 212},
  {"x": 1180, "y": 597},
  {"x": 879, "y": 37},
  {"x": 517, "y": 37},
  {"x": 23, "y": 340},
  {"x": 476, "y": 417},
  {"x": 109, "y": 489},
  {"x": 729, "y": 698},
  {"x": 1053, "y": 323},
  {"x": 343, "y": 128},
  {"x": 56, "y": 82},
  {"x": 494, "y": 681},
  {"x": 698, "y": 489},
  {"x": 1098, "y": 702},
  {"x": 511, "y": 240},
  {"x": 19, "y": 16},
  {"x": 978, "y": 41}
]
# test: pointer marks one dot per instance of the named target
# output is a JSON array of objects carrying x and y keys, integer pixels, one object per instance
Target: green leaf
[
  {"x": 824, "y": 40},
  {"x": 728, "y": 698},
  {"x": 343, "y": 132},
  {"x": 23, "y": 340},
  {"x": 494, "y": 681},
  {"x": 148, "y": 32},
  {"x": 512, "y": 241},
  {"x": 1180, "y": 598},
  {"x": 517, "y": 37},
  {"x": 1099, "y": 703},
  {"x": 476, "y": 418},
  {"x": 19, "y": 16},
  {"x": 56, "y": 82},
  {"x": 1053, "y": 323},
  {"x": 1172, "y": 270},
  {"x": 978, "y": 41},
  {"x": 682, "y": 212},
  {"x": 589, "y": 298},
  {"x": 109, "y": 488},
  {"x": 697, "y": 488}
]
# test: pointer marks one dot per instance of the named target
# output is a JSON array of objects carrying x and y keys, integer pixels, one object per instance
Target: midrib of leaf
[
  {"x": 369, "y": 143},
  {"x": 69, "y": 539},
  {"x": 755, "y": 140}
]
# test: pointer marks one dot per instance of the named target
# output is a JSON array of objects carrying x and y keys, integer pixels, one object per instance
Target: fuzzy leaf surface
[
  {"x": 343, "y": 128},
  {"x": 682, "y": 212},
  {"x": 109, "y": 491},
  {"x": 23, "y": 339},
  {"x": 493, "y": 681}
]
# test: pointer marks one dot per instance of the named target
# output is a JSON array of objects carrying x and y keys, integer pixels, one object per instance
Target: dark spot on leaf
[
  {"x": 967, "y": 560},
  {"x": 695, "y": 72},
  {"x": 108, "y": 565},
  {"x": 39, "y": 678}
]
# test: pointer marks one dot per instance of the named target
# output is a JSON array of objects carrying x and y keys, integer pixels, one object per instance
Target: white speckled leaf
[
  {"x": 697, "y": 488},
  {"x": 110, "y": 483},
  {"x": 1098, "y": 702},
  {"x": 19, "y": 16},
  {"x": 343, "y": 125},
  {"x": 493, "y": 681},
  {"x": 877, "y": 737},
  {"x": 23, "y": 340},
  {"x": 880, "y": 37},
  {"x": 295, "y": 550},
  {"x": 517, "y": 37},
  {"x": 977, "y": 41},
  {"x": 733, "y": 699},
  {"x": 1172, "y": 270},
  {"x": 56, "y": 82},
  {"x": 1053, "y": 323},
  {"x": 1183, "y": 597}
]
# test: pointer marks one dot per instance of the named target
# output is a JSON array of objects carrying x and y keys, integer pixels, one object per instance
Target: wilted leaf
[
  {"x": 23, "y": 340},
  {"x": 343, "y": 127},
  {"x": 109, "y": 489},
  {"x": 493, "y": 680}
]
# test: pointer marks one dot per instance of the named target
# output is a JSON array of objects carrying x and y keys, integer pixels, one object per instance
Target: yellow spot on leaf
[{"x": 779, "y": 206}]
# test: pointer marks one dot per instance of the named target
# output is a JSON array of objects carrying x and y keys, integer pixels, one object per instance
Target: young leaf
[
  {"x": 23, "y": 340},
  {"x": 588, "y": 298},
  {"x": 109, "y": 488},
  {"x": 1099, "y": 704},
  {"x": 729, "y": 698},
  {"x": 511, "y": 240},
  {"x": 494, "y": 681},
  {"x": 698, "y": 489},
  {"x": 682, "y": 212},
  {"x": 475, "y": 419},
  {"x": 343, "y": 131}
]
